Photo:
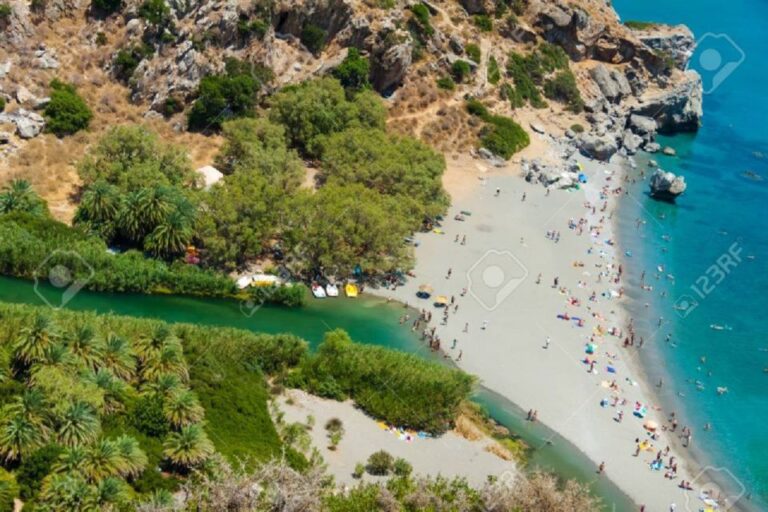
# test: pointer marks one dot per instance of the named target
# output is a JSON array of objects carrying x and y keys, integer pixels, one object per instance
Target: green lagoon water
[{"x": 366, "y": 319}]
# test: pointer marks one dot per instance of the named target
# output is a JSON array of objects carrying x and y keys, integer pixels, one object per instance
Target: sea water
[{"x": 711, "y": 248}]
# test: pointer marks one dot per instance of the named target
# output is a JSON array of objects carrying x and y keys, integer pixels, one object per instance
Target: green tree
[
  {"x": 19, "y": 435},
  {"x": 353, "y": 71},
  {"x": 260, "y": 146},
  {"x": 35, "y": 339},
  {"x": 171, "y": 235},
  {"x": 67, "y": 112},
  {"x": 380, "y": 463},
  {"x": 98, "y": 209},
  {"x": 317, "y": 108},
  {"x": 9, "y": 490},
  {"x": 86, "y": 346},
  {"x": 156, "y": 12},
  {"x": 18, "y": 196},
  {"x": 343, "y": 227},
  {"x": 118, "y": 357},
  {"x": 182, "y": 408},
  {"x": 132, "y": 157},
  {"x": 78, "y": 425},
  {"x": 313, "y": 37},
  {"x": 189, "y": 447},
  {"x": 397, "y": 166},
  {"x": 34, "y": 468},
  {"x": 228, "y": 95},
  {"x": 460, "y": 70},
  {"x": 106, "y": 6},
  {"x": 133, "y": 460}
]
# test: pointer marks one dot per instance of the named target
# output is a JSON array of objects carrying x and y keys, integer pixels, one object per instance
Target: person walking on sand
[
  {"x": 448, "y": 275},
  {"x": 601, "y": 468},
  {"x": 485, "y": 324},
  {"x": 466, "y": 327},
  {"x": 523, "y": 200},
  {"x": 461, "y": 353},
  {"x": 538, "y": 278},
  {"x": 464, "y": 240},
  {"x": 498, "y": 191},
  {"x": 546, "y": 342}
]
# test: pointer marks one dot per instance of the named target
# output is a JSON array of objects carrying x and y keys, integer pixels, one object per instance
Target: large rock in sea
[
  {"x": 666, "y": 186},
  {"x": 597, "y": 147}
]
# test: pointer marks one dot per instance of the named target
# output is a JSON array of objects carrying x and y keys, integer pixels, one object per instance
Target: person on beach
[
  {"x": 498, "y": 191},
  {"x": 546, "y": 342},
  {"x": 601, "y": 468},
  {"x": 461, "y": 353},
  {"x": 448, "y": 275},
  {"x": 466, "y": 327},
  {"x": 464, "y": 240},
  {"x": 524, "y": 196},
  {"x": 485, "y": 324}
]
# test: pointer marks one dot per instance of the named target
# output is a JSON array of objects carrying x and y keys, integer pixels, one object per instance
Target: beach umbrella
[
  {"x": 651, "y": 425},
  {"x": 424, "y": 291},
  {"x": 441, "y": 300}
]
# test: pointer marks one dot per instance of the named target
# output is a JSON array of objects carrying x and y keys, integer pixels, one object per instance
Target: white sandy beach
[
  {"x": 506, "y": 250},
  {"x": 449, "y": 455}
]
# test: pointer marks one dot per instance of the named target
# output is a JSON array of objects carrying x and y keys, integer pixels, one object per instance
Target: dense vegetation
[
  {"x": 501, "y": 135},
  {"x": 93, "y": 405},
  {"x": 67, "y": 112},
  {"x": 543, "y": 70},
  {"x": 353, "y": 71},
  {"x": 227, "y": 95},
  {"x": 401, "y": 388}
]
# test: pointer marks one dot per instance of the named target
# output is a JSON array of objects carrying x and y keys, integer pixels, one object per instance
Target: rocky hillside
[{"x": 143, "y": 62}]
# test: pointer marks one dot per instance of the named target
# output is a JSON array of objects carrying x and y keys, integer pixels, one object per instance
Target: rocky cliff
[{"x": 622, "y": 73}]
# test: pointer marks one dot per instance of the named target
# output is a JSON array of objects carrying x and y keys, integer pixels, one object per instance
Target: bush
[
  {"x": 503, "y": 136},
  {"x": 380, "y": 463},
  {"x": 494, "y": 74},
  {"x": 402, "y": 467},
  {"x": 106, "y": 6},
  {"x": 577, "y": 128},
  {"x": 419, "y": 394},
  {"x": 421, "y": 14},
  {"x": 156, "y": 12},
  {"x": 460, "y": 70},
  {"x": 640, "y": 25},
  {"x": 226, "y": 96},
  {"x": 5, "y": 12},
  {"x": 563, "y": 88},
  {"x": 353, "y": 71},
  {"x": 313, "y": 38},
  {"x": 8, "y": 491},
  {"x": 101, "y": 38},
  {"x": 483, "y": 22},
  {"x": 359, "y": 470},
  {"x": 34, "y": 468},
  {"x": 446, "y": 83},
  {"x": 128, "y": 59},
  {"x": 2, "y": 103},
  {"x": 476, "y": 108},
  {"x": 473, "y": 52},
  {"x": 66, "y": 113},
  {"x": 252, "y": 28}
]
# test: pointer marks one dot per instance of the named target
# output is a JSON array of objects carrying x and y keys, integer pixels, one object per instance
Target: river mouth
[{"x": 367, "y": 319}]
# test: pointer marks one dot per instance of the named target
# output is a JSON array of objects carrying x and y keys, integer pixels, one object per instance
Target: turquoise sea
[{"x": 715, "y": 244}]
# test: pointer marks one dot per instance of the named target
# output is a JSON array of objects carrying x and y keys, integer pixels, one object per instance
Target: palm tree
[
  {"x": 118, "y": 357},
  {"x": 67, "y": 491},
  {"x": 148, "y": 347},
  {"x": 78, "y": 425},
  {"x": 35, "y": 340},
  {"x": 133, "y": 460},
  {"x": 170, "y": 359},
  {"x": 18, "y": 196},
  {"x": 156, "y": 204},
  {"x": 112, "y": 491},
  {"x": 188, "y": 447},
  {"x": 71, "y": 460},
  {"x": 171, "y": 236},
  {"x": 165, "y": 384},
  {"x": 31, "y": 405},
  {"x": 114, "y": 389},
  {"x": 19, "y": 435},
  {"x": 181, "y": 408},
  {"x": 86, "y": 346},
  {"x": 130, "y": 218},
  {"x": 99, "y": 208},
  {"x": 57, "y": 356},
  {"x": 102, "y": 460}
]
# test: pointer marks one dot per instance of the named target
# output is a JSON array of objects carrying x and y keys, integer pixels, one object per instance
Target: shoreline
[
  {"x": 700, "y": 462},
  {"x": 641, "y": 484}
]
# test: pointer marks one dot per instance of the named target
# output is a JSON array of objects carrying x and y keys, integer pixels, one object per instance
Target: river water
[{"x": 367, "y": 320}]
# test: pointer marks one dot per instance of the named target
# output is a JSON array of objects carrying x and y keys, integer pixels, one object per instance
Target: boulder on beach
[
  {"x": 666, "y": 186},
  {"x": 597, "y": 147}
]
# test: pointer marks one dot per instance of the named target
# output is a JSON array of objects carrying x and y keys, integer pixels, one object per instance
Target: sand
[
  {"x": 450, "y": 455},
  {"x": 507, "y": 248}
]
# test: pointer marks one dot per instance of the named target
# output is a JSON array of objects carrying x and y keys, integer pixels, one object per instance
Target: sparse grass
[
  {"x": 494, "y": 74},
  {"x": 483, "y": 22},
  {"x": 640, "y": 25},
  {"x": 446, "y": 83},
  {"x": 473, "y": 52}
]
